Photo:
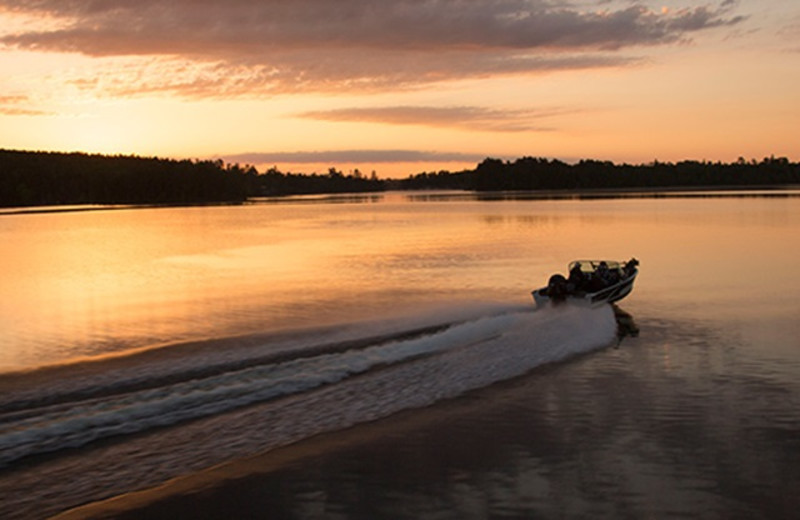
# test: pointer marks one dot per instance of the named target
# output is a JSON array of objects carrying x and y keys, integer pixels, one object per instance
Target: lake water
[{"x": 141, "y": 346}]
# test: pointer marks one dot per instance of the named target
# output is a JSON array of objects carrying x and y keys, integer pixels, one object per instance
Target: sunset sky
[{"x": 405, "y": 86}]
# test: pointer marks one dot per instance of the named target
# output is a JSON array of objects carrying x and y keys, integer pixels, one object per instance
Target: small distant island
[{"x": 51, "y": 178}]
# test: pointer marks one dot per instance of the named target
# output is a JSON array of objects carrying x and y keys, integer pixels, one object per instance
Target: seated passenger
[
  {"x": 630, "y": 267},
  {"x": 596, "y": 283},
  {"x": 609, "y": 276},
  {"x": 577, "y": 278},
  {"x": 602, "y": 271},
  {"x": 600, "y": 279}
]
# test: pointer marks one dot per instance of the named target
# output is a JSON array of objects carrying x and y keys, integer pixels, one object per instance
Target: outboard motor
[{"x": 557, "y": 288}]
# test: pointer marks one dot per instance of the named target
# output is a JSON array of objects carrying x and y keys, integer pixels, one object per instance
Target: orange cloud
[
  {"x": 306, "y": 72},
  {"x": 18, "y": 106}
]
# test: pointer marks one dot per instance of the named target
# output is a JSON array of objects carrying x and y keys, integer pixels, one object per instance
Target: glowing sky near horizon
[{"x": 404, "y": 86}]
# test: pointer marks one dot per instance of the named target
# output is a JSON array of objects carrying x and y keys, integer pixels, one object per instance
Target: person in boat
[
  {"x": 630, "y": 267},
  {"x": 608, "y": 276},
  {"x": 614, "y": 276},
  {"x": 599, "y": 279},
  {"x": 577, "y": 279}
]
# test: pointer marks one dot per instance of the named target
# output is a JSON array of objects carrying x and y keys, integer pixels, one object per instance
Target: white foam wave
[{"x": 476, "y": 353}]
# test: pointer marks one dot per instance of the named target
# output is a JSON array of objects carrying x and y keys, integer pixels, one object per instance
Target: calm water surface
[{"x": 329, "y": 313}]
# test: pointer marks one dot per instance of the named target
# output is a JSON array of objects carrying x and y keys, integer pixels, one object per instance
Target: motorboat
[{"x": 590, "y": 282}]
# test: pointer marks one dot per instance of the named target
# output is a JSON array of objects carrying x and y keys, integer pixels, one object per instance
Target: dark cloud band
[
  {"x": 262, "y": 48},
  {"x": 242, "y": 27}
]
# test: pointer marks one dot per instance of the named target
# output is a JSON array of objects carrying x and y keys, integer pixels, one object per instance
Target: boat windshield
[{"x": 590, "y": 266}]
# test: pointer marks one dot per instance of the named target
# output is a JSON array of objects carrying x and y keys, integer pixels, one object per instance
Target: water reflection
[
  {"x": 626, "y": 326},
  {"x": 778, "y": 192},
  {"x": 337, "y": 198},
  {"x": 94, "y": 281}
]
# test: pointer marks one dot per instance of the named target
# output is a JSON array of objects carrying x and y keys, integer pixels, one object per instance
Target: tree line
[
  {"x": 273, "y": 182},
  {"x": 529, "y": 173},
  {"x": 50, "y": 178}
]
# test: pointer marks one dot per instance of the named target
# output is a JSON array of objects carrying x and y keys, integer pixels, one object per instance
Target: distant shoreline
[
  {"x": 36, "y": 182},
  {"x": 599, "y": 193},
  {"x": 659, "y": 192},
  {"x": 83, "y": 208}
]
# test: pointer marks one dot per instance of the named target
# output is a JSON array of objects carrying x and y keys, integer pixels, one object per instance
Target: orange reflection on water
[{"x": 103, "y": 281}]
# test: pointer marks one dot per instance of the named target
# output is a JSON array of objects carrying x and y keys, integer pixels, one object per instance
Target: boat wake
[{"x": 162, "y": 414}]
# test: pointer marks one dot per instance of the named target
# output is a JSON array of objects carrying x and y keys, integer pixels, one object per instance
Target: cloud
[
  {"x": 6, "y": 100},
  {"x": 244, "y": 27},
  {"x": 790, "y": 30},
  {"x": 246, "y": 47},
  {"x": 17, "y": 105},
  {"x": 352, "y": 157},
  {"x": 463, "y": 117},
  {"x": 299, "y": 73}
]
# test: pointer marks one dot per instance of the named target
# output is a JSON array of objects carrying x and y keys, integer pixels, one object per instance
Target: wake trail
[{"x": 470, "y": 354}]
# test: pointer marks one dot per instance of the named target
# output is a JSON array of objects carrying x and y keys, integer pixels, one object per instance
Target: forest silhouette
[
  {"x": 51, "y": 178},
  {"x": 530, "y": 173}
]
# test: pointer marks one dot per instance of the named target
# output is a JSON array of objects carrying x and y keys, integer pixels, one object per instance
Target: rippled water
[
  {"x": 331, "y": 315},
  {"x": 673, "y": 424}
]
